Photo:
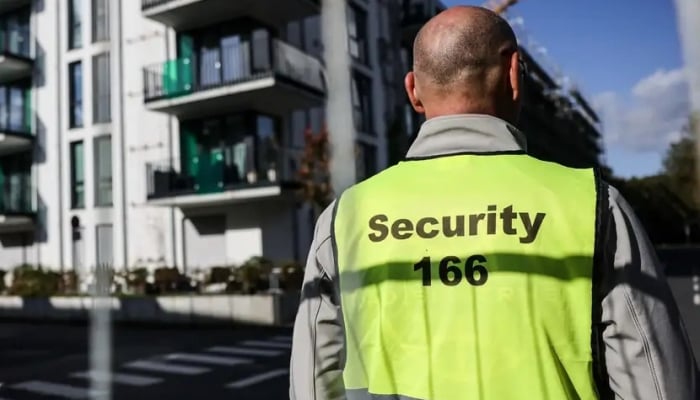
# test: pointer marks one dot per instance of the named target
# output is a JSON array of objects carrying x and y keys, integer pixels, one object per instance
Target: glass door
[
  {"x": 209, "y": 61},
  {"x": 235, "y": 57},
  {"x": 16, "y": 122},
  {"x": 4, "y": 115},
  {"x": 210, "y": 174}
]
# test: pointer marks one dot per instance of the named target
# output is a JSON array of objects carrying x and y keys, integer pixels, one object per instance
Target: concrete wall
[{"x": 263, "y": 309}]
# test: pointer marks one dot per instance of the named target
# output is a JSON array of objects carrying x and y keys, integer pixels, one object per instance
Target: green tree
[{"x": 680, "y": 169}]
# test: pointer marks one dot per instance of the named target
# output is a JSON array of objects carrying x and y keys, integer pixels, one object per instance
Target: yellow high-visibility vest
[{"x": 469, "y": 277}]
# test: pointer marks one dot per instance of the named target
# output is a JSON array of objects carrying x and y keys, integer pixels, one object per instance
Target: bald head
[{"x": 462, "y": 64}]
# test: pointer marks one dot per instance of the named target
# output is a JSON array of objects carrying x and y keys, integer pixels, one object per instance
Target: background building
[
  {"x": 168, "y": 133},
  {"x": 560, "y": 124},
  {"x": 157, "y": 132}
]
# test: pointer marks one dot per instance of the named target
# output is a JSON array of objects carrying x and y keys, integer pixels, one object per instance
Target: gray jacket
[{"x": 647, "y": 352}]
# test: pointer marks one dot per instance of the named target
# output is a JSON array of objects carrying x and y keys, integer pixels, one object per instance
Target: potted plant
[{"x": 252, "y": 176}]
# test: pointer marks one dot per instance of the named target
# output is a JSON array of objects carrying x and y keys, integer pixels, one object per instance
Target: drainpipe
[
  {"x": 173, "y": 235},
  {"x": 59, "y": 121},
  {"x": 122, "y": 138}
]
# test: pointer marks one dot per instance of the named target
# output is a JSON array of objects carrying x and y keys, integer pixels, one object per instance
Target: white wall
[{"x": 147, "y": 136}]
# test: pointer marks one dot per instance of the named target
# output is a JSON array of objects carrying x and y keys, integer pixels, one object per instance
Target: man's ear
[
  {"x": 516, "y": 77},
  {"x": 410, "y": 85}
]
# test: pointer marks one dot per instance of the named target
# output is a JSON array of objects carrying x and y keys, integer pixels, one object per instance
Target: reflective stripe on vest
[{"x": 472, "y": 288}]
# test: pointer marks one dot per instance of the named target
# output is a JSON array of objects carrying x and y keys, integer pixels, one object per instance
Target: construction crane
[{"x": 500, "y": 7}]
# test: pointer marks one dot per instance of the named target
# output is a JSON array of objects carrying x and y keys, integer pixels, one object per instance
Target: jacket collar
[{"x": 466, "y": 133}]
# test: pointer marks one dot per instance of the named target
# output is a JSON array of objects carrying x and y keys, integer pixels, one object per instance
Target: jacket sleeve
[
  {"x": 647, "y": 351},
  {"x": 318, "y": 340}
]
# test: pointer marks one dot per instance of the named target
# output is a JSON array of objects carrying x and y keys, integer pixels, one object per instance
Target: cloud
[{"x": 655, "y": 116}]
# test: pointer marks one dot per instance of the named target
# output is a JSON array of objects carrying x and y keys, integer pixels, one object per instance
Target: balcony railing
[
  {"x": 212, "y": 173},
  {"x": 16, "y": 198},
  {"x": 146, "y": 4},
  {"x": 238, "y": 62},
  {"x": 14, "y": 119}
]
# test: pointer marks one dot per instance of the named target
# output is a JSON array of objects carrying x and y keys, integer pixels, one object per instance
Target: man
[{"x": 473, "y": 271}]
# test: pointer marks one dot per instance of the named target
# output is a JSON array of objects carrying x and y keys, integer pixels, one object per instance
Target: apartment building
[
  {"x": 168, "y": 132},
  {"x": 559, "y": 122}
]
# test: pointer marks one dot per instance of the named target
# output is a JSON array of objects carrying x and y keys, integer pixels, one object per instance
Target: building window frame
[
  {"x": 101, "y": 88},
  {"x": 100, "y": 21},
  {"x": 362, "y": 103},
  {"x": 75, "y": 24},
  {"x": 77, "y": 174},
  {"x": 366, "y": 159},
  {"x": 75, "y": 95},
  {"x": 104, "y": 195},
  {"x": 358, "y": 34}
]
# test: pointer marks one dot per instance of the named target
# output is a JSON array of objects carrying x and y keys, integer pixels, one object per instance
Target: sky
[{"x": 625, "y": 56}]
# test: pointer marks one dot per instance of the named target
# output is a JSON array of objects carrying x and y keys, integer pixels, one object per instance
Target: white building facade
[{"x": 169, "y": 132}]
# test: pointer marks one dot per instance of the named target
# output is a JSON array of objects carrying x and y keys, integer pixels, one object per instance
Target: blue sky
[{"x": 625, "y": 55}]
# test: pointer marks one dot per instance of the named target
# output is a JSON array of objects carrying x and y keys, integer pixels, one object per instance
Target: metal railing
[
  {"x": 212, "y": 173},
  {"x": 146, "y": 4},
  {"x": 17, "y": 197},
  {"x": 236, "y": 62}
]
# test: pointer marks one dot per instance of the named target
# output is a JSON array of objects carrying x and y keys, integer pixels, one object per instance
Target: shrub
[
  {"x": 30, "y": 281},
  {"x": 137, "y": 280},
  {"x": 253, "y": 275},
  {"x": 170, "y": 280},
  {"x": 292, "y": 276}
]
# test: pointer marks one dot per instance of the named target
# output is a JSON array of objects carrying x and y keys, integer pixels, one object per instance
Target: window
[
  {"x": 268, "y": 154},
  {"x": 103, "y": 171},
  {"x": 366, "y": 161},
  {"x": 75, "y": 24},
  {"x": 14, "y": 33},
  {"x": 15, "y": 114},
  {"x": 100, "y": 20},
  {"x": 104, "y": 237},
  {"x": 75, "y": 89},
  {"x": 361, "y": 104},
  {"x": 77, "y": 175},
  {"x": 101, "y": 84},
  {"x": 357, "y": 32}
]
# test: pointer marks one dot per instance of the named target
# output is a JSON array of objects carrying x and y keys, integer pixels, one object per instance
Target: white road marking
[
  {"x": 167, "y": 368},
  {"x": 119, "y": 378},
  {"x": 54, "y": 389},
  {"x": 257, "y": 378},
  {"x": 208, "y": 359},
  {"x": 244, "y": 351},
  {"x": 267, "y": 344}
]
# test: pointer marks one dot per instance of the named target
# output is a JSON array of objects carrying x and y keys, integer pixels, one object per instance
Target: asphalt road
[{"x": 41, "y": 361}]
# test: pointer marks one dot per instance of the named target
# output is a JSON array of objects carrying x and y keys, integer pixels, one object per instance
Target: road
[{"x": 41, "y": 361}]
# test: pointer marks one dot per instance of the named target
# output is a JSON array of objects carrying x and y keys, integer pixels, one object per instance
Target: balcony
[
  {"x": 10, "y": 5},
  {"x": 15, "y": 55},
  {"x": 17, "y": 212},
  {"x": 216, "y": 178},
  {"x": 189, "y": 14},
  {"x": 16, "y": 133},
  {"x": 263, "y": 74}
]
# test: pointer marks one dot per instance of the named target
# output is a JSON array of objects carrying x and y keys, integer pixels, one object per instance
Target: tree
[
  {"x": 668, "y": 204},
  {"x": 680, "y": 169},
  {"x": 314, "y": 171}
]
